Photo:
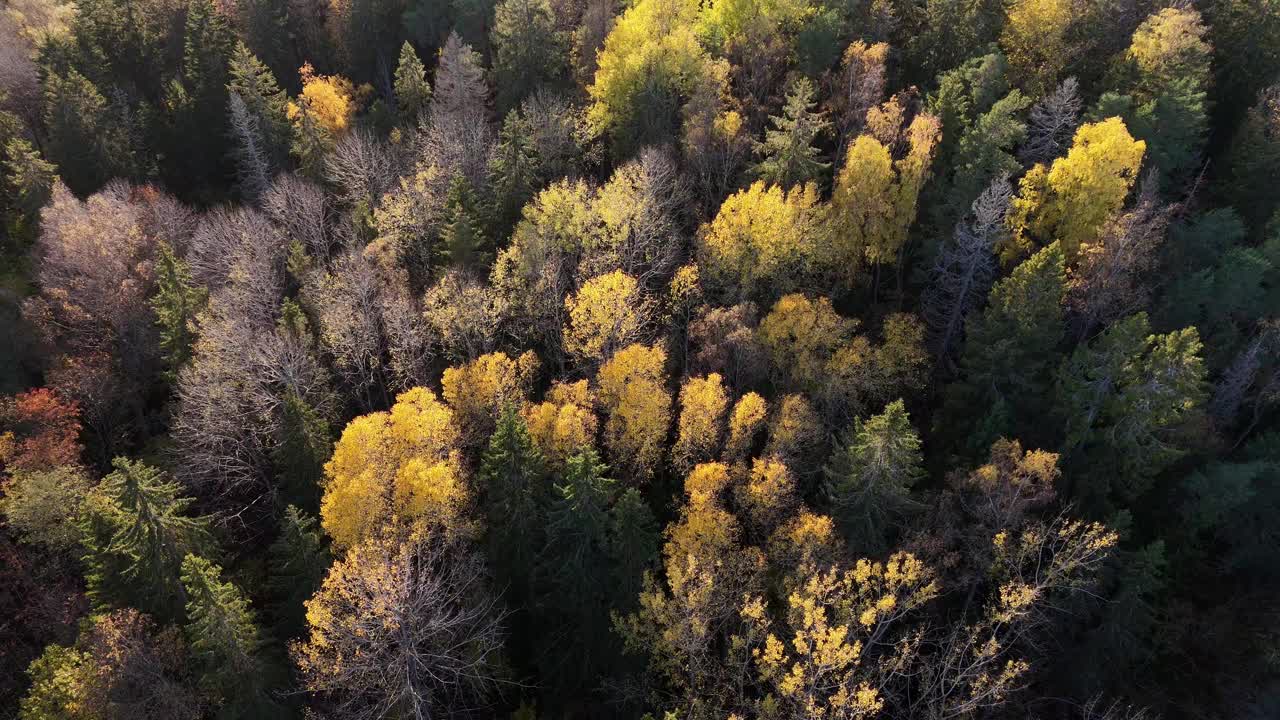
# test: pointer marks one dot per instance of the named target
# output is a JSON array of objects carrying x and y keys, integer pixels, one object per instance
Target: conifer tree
[
  {"x": 513, "y": 478},
  {"x": 29, "y": 176},
  {"x": 222, "y": 632},
  {"x": 80, "y": 141},
  {"x": 870, "y": 477},
  {"x": 304, "y": 447},
  {"x": 413, "y": 92},
  {"x": 299, "y": 561},
  {"x": 528, "y": 51},
  {"x": 137, "y": 533},
  {"x": 257, "y": 88},
  {"x": 634, "y": 540},
  {"x": 513, "y": 172},
  {"x": 462, "y": 241},
  {"x": 789, "y": 155},
  {"x": 177, "y": 301}
]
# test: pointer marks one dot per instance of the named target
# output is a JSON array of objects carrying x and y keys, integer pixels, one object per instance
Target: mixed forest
[{"x": 663, "y": 359}]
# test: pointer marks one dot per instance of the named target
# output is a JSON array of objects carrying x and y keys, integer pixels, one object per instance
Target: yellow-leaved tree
[
  {"x": 703, "y": 401},
  {"x": 563, "y": 424},
  {"x": 631, "y": 387},
  {"x": 1037, "y": 43},
  {"x": 746, "y": 420},
  {"x": 1073, "y": 199},
  {"x": 479, "y": 390},
  {"x": 402, "y": 464},
  {"x": 608, "y": 312},
  {"x": 332, "y": 100}
]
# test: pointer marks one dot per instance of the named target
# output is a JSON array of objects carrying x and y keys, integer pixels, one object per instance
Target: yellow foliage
[
  {"x": 1080, "y": 192},
  {"x": 400, "y": 463},
  {"x": 801, "y": 334},
  {"x": 763, "y": 236},
  {"x": 563, "y": 424},
  {"x": 795, "y": 430},
  {"x": 705, "y": 483},
  {"x": 631, "y": 387},
  {"x": 1035, "y": 41},
  {"x": 703, "y": 402},
  {"x": 607, "y": 313},
  {"x": 805, "y": 540},
  {"x": 745, "y": 422},
  {"x": 478, "y": 391},
  {"x": 333, "y": 99},
  {"x": 769, "y": 493}
]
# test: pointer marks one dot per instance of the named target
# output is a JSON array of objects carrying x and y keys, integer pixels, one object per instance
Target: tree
[
  {"x": 1037, "y": 38},
  {"x": 86, "y": 146},
  {"x": 1011, "y": 348},
  {"x": 404, "y": 626},
  {"x": 856, "y": 88},
  {"x": 746, "y": 420},
  {"x": 528, "y": 51},
  {"x": 870, "y": 477},
  {"x": 1051, "y": 123},
  {"x": 176, "y": 303},
  {"x": 266, "y": 106},
  {"x": 39, "y": 430},
  {"x": 458, "y": 137},
  {"x": 563, "y": 424},
  {"x": 763, "y": 240},
  {"x": 29, "y": 176},
  {"x": 41, "y": 506},
  {"x": 1125, "y": 396},
  {"x": 964, "y": 269},
  {"x": 514, "y": 171},
  {"x": 463, "y": 243},
  {"x": 1071, "y": 200},
  {"x": 631, "y": 389},
  {"x": 701, "y": 427},
  {"x": 609, "y": 312},
  {"x": 136, "y": 534},
  {"x": 514, "y": 482},
  {"x": 413, "y": 92},
  {"x": 304, "y": 447},
  {"x": 789, "y": 156},
  {"x": 479, "y": 392},
  {"x": 298, "y": 563},
  {"x": 1254, "y": 155},
  {"x": 222, "y": 634},
  {"x": 634, "y": 541},
  {"x": 402, "y": 463}
]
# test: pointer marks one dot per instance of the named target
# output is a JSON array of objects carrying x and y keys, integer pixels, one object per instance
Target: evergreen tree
[
  {"x": 528, "y": 51},
  {"x": 513, "y": 170},
  {"x": 80, "y": 143},
  {"x": 223, "y": 635},
  {"x": 298, "y": 561},
  {"x": 256, "y": 86},
  {"x": 634, "y": 540},
  {"x": 462, "y": 241},
  {"x": 177, "y": 301},
  {"x": 29, "y": 176},
  {"x": 304, "y": 447},
  {"x": 312, "y": 143},
  {"x": 789, "y": 155},
  {"x": 413, "y": 92},
  {"x": 870, "y": 476},
  {"x": 136, "y": 536},
  {"x": 513, "y": 478},
  {"x": 1010, "y": 351},
  {"x": 573, "y": 568}
]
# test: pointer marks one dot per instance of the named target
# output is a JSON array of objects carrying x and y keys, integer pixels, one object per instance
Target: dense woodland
[{"x": 733, "y": 359}]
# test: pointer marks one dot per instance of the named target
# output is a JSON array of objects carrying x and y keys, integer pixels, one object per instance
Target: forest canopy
[{"x": 653, "y": 359}]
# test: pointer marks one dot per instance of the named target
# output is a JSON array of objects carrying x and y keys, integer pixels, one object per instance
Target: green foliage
[
  {"x": 513, "y": 476},
  {"x": 634, "y": 540},
  {"x": 789, "y": 155},
  {"x": 222, "y": 633},
  {"x": 413, "y": 92},
  {"x": 305, "y": 445},
  {"x": 298, "y": 561},
  {"x": 136, "y": 534},
  {"x": 29, "y": 176},
  {"x": 262, "y": 96},
  {"x": 528, "y": 50},
  {"x": 41, "y": 506},
  {"x": 513, "y": 171},
  {"x": 85, "y": 141},
  {"x": 870, "y": 476},
  {"x": 462, "y": 240},
  {"x": 177, "y": 301}
]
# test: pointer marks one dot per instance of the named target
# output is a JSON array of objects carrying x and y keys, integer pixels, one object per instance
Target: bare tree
[
  {"x": 361, "y": 166},
  {"x": 464, "y": 316},
  {"x": 221, "y": 240},
  {"x": 965, "y": 269},
  {"x": 1252, "y": 378},
  {"x": 457, "y": 137},
  {"x": 301, "y": 209},
  {"x": 1111, "y": 278},
  {"x": 405, "y": 628},
  {"x": 253, "y": 169},
  {"x": 640, "y": 208},
  {"x": 1051, "y": 124}
]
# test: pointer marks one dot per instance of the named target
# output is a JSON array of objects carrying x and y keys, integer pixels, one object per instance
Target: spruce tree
[
  {"x": 528, "y": 51},
  {"x": 264, "y": 100},
  {"x": 298, "y": 561},
  {"x": 413, "y": 92},
  {"x": 634, "y": 540},
  {"x": 222, "y": 633},
  {"x": 177, "y": 301},
  {"x": 513, "y": 170},
  {"x": 513, "y": 478},
  {"x": 137, "y": 533},
  {"x": 304, "y": 446},
  {"x": 789, "y": 155},
  {"x": 29, "y": 176},
  {"x": 462, "y": 241},
  {"x": 870, "y": 476},
  {"x": 74, "y": 112}
]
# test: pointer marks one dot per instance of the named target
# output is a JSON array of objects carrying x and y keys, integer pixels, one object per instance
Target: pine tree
[
  {"x": 789, "y": 155},
  {"x": 513, "y": 478},
  {"x": 413, "y": 92},
  {"x": 136, "y": 536},
  {"x": 298, "y": 561},
  {"x": 870, "y": 477},
  {"x": 177, "y": 301},
  {"x": 223, "y": 635}
]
